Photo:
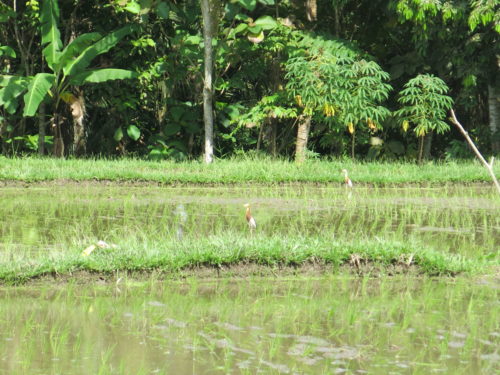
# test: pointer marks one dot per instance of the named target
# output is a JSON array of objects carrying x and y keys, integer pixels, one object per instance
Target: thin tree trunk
[
  {"x": 79, "y": 146},
  {"x": 41, "y": 130},
  {"x": 2, "y": 136},
  {"x": 494, "y": 113},
  {"x": 428, "y": 145},
  {"x": 302, "y": 137},
  {"x": 420, "y": 148},
  {"x": 260, "y": 136},
  {"x": 336, "y": 15},
  {"x": 208, "y": 117},
  {"x": 58, "y": 139},
  {"x": 353, "y": 144},
  {"x": 311, "y": 10},
  {"x": 489, "y": 166},
  {"x": 272, "y": 137}
]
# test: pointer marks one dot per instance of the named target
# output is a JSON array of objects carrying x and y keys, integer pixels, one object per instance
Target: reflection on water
[
  {"x": 463, "y": 220},
  {"x": 344, "y": 325}
]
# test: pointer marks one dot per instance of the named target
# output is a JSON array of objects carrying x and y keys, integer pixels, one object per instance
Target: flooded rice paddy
[
  {"x": 459, "y": 220},
  {"x": 302, "y": 325},
  {"x": 332, "y": 325}
]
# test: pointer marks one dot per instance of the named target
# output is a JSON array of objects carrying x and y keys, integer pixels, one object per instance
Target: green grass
[
  {"x": 171, "y": 256},
  {"x": 243, "y": 170}
]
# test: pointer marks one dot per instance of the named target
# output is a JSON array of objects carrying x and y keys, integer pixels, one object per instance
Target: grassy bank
[
  {"x": 255, "y": 170},
  {"x": 172, "y": 256}
]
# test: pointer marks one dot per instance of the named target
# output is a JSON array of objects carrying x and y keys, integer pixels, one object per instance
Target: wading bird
[
  {"x": 347, "y": 180},
  {"x": 250, "y": 220}
]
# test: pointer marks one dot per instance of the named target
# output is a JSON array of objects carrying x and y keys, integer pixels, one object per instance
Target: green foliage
[
  {"x": 51, "y": 37},
  {"x": 485, "y": 12},
  {"x": 68, "y": 66},
  {"x": 38, "y": 88},
  {"x": 7, "y": 51},
  {"x": 425, "y": 104},
  {"x": 330, "y": 78},
  {"x": 269, "y": 69}
]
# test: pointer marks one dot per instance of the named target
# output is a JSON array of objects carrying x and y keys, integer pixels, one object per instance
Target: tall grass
[
  {"x": 242, "y": 170},
  {"x": 171, "y": 256}
]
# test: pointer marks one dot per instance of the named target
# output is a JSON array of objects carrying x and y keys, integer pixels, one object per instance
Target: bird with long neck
[
  {"x": 347, "y": 180},
  {"x": 250, "y": 220}
]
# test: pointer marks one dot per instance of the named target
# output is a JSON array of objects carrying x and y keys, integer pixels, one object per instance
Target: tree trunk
[
  {"x": 420, "y": 149},
  {"x": 302, "y": 137},
  {"x": 311, "y": 10},
  {"x": 428, "y": 145},
  {"x": 41, "y": 130},
  {"x": 208, "y": 116},
  {"x": 273, "y": 128},
  {"x": 58, "y": 139},
  {"x": 494, "y": 112},
  {"x": 353, "y": 145},
  {"x": 79, "y": 146},
  {"x": 2, "y": 136}
]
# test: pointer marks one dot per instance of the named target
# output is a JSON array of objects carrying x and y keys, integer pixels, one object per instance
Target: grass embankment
[
  {"x": 256, "y": 170},
  {"x": 172, "y": 257}
]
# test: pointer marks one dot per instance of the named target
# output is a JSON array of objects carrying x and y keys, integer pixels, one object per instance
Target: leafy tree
[
  {"x": 329, "y": 78},
  {"x": 69, "y": 66},
  {"x": 425, "y": 105}
]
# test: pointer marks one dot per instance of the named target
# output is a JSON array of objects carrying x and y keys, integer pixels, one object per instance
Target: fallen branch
[{"x": 489, "y": 166}]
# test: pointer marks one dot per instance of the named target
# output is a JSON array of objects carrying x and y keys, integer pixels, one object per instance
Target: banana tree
[{"x": 69, "y": 67}]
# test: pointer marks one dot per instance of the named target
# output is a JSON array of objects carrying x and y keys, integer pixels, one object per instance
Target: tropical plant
[
  {"x": 425, "y": 105},
  {"x": 330, "y": 78},
  {"x": 69, "y": 68}
]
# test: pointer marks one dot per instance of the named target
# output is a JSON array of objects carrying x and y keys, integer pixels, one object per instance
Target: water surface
[
  {"x": 455, "y": 219},
  {"x": 332, "y": 325}
]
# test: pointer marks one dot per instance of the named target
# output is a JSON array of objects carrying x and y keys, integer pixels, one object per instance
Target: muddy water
[
  {"x": 334, "y": 325},
  {"x": 308, "y": 326},
  {"x": 461, "y": 220}
]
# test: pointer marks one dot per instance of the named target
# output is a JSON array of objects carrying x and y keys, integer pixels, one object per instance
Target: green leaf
[
  {"x": 118, "y": 136},
  {"x": 51, "y": 37},
  {"x": 248, "y": 4},
  {"x": 193, "y": 40},
  {"x": 267, "y": 2},
  {"x": 7, "y": 51},
  {"x": 255, "y": 29},
  {"x": 133, "y": 132},
  {"x": 238, "y": 29},
  {"x": 7, "y": 80},
  {"x": 77, "y": 46},
  {"x": 266, "y": 22},
  {"x": 7, "y": 14},
  {"x": 162, "y": 9},
  {"x": 101, "y": 75},
  {"x": 171, "y": 128},
  {"x": 37, "y": 91},
  {"x": 11, "y": 91},
  {"x": 133, "y": 7},
  {"x": 102, "y": 46}
]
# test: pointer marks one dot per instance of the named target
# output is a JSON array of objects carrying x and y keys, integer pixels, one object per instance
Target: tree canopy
[{"x": 366, "y": 79}]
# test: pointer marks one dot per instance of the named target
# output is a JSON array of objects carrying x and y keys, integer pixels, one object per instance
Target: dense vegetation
[{"x": 303, "y": 79}]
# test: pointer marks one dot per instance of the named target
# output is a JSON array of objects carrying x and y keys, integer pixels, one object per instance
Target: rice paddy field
[{"x": 380, "y": 279}]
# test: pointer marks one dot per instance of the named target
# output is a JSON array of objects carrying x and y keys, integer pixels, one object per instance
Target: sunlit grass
[
  {"x": 170, "y": 256},
  {"x": 239, "y": 170}
]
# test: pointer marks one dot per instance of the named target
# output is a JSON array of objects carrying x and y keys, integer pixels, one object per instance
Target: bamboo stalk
[{"x": 489, "y": 166}]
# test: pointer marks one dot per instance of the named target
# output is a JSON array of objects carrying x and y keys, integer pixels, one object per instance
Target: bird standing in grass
[
  {"x": 347, "y": 180},
  {"x": 250, "y": 220}
]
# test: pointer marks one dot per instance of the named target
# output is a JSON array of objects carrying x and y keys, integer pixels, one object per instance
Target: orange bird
[
  {"x": 347, "y": 180},
  {"x": 250, "y": 220}
]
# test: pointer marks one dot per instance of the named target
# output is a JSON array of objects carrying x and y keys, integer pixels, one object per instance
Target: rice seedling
[{"x": 309, "y": 325}]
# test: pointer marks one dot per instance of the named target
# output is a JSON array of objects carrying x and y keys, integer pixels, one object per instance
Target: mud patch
[{"x": 236, "y": 272}]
